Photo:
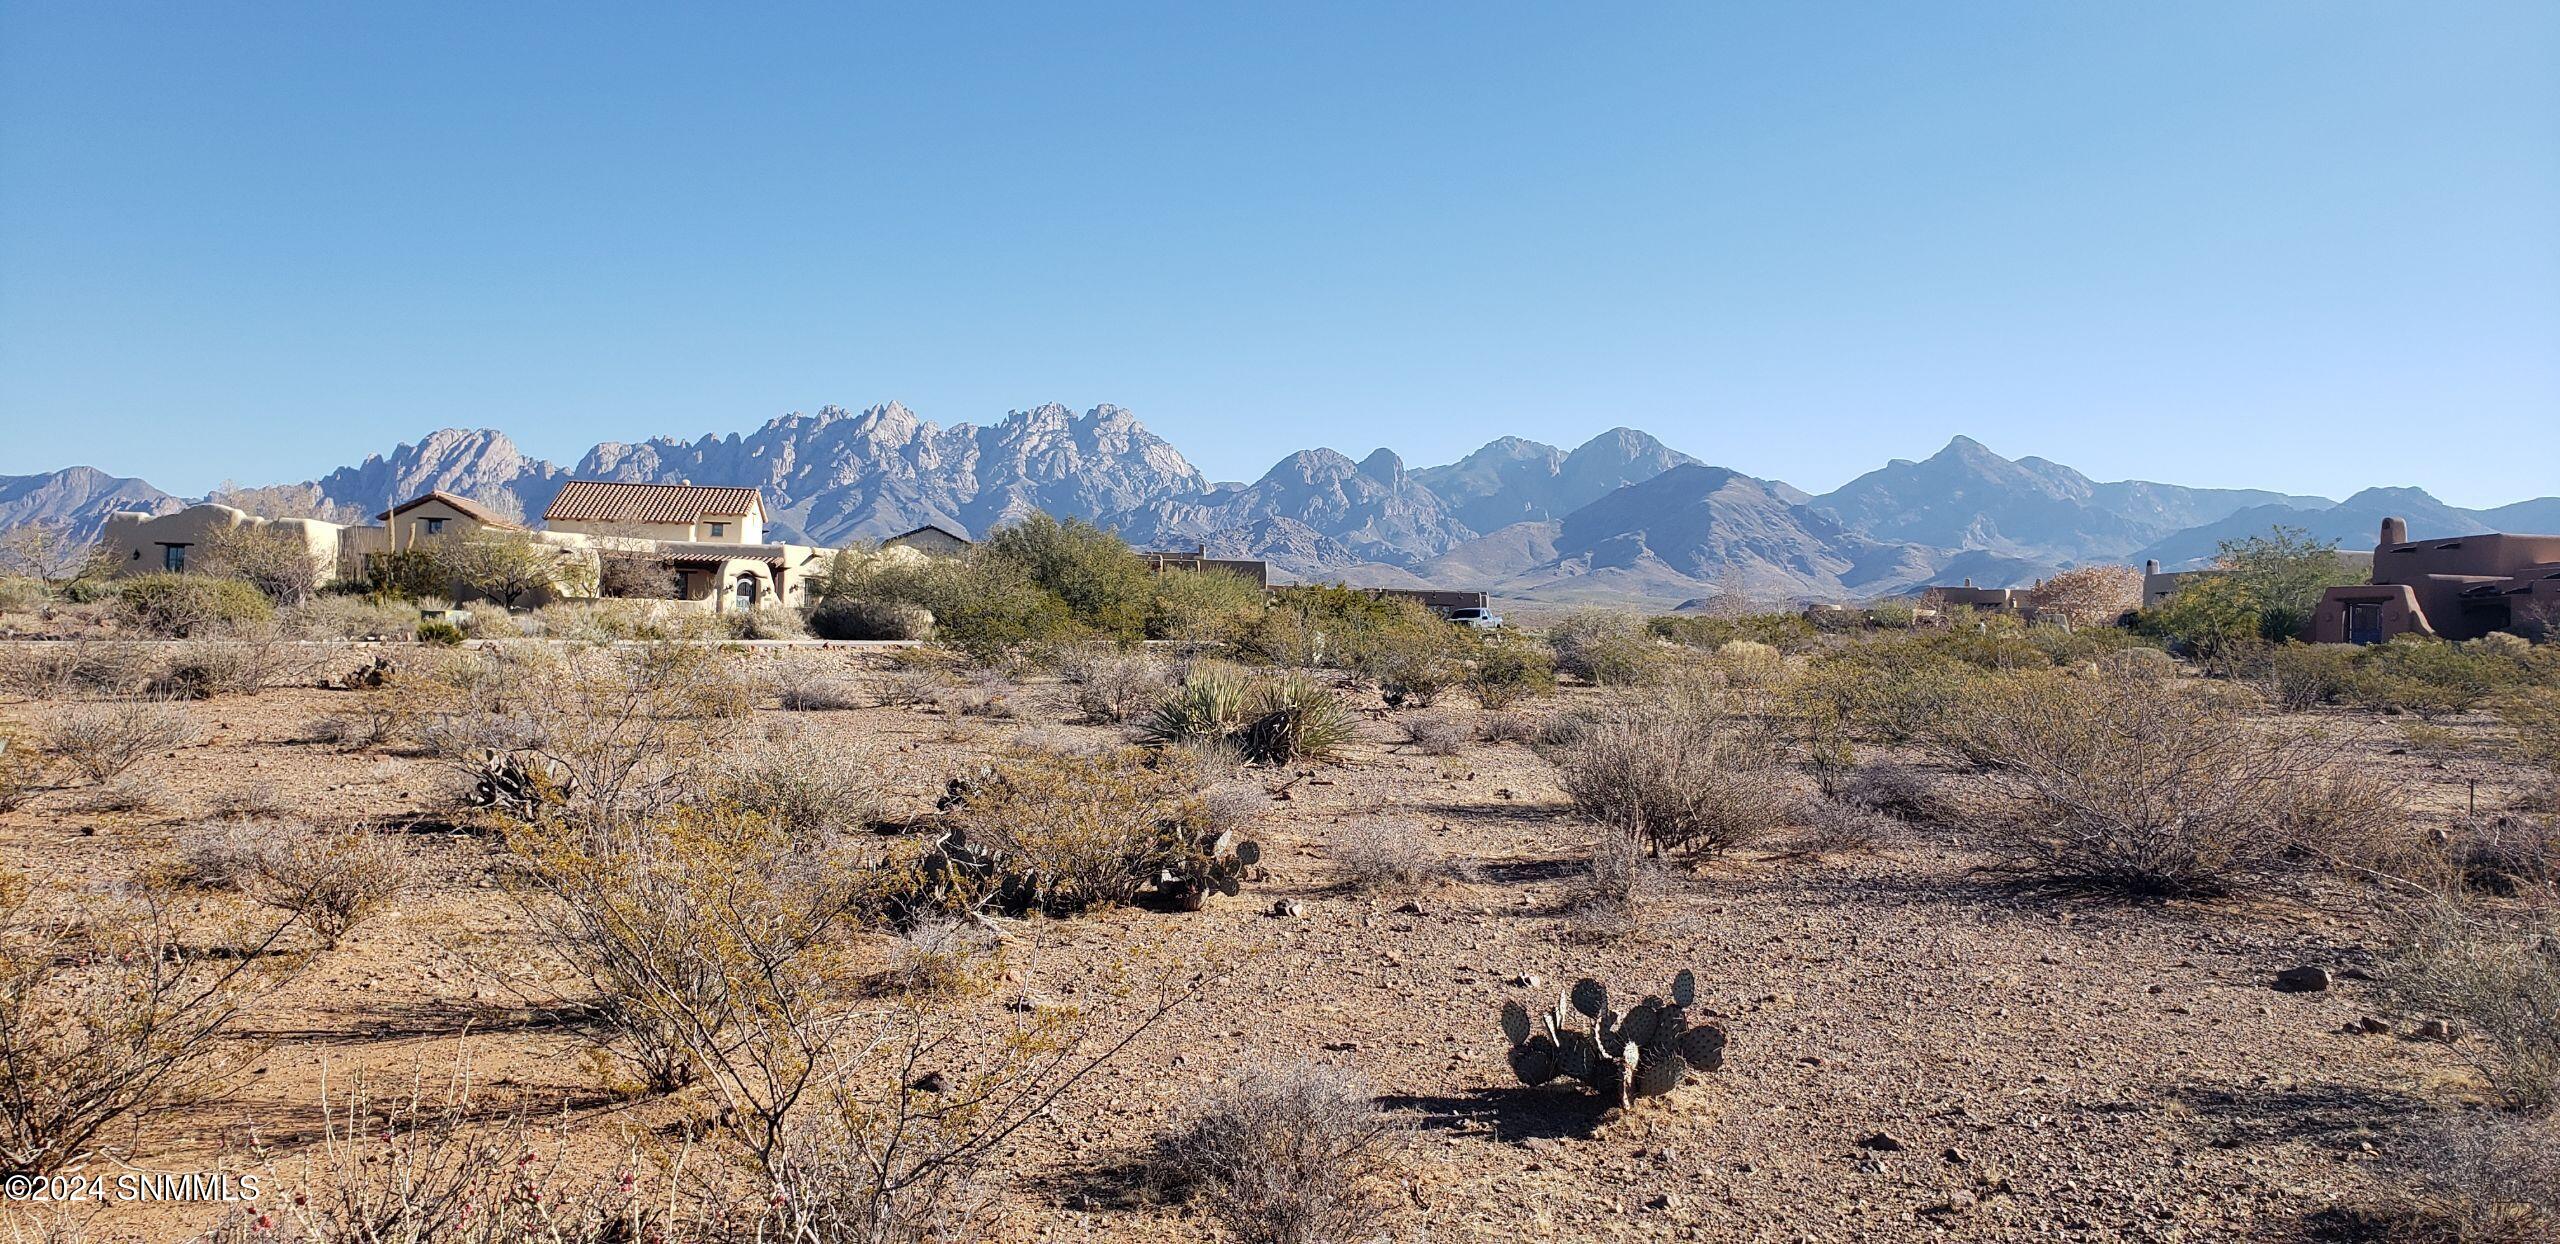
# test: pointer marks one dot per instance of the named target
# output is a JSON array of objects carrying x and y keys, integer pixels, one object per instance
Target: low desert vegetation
[
  {"x": 1297, "y": 1155},
  {"x": 1266, "y": 719},
  {"x": 1680, "y": 769}
]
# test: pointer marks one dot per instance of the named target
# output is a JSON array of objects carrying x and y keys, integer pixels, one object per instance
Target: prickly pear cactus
[
  {"x": 520, "y": 784},
  {"x": 1219, "y": 864},
  {"x": 1647, "y": 1050}
]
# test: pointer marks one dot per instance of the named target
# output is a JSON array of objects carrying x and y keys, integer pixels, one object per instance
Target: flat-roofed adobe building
[{"x": 2461, "y": 588}]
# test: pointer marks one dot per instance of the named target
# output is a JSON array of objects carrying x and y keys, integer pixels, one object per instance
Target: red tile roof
[
  {"x": 468, "y": 509},
  {"x": 602, "y": 501}
]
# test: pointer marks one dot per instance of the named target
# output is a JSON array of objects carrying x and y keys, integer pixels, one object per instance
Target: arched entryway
[{"x": 750, "y": 589}]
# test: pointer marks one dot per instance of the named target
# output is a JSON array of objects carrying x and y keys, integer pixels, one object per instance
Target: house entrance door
[{"x": 2364, "y": 622}]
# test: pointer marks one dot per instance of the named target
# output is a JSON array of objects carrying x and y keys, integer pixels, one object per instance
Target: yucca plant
[{"x": 1267, "y": 720}]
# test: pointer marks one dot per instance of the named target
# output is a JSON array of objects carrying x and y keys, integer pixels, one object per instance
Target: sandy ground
[{"x": 1919, "y": 1050}]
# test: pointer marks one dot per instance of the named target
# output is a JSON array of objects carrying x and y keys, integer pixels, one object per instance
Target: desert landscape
[{"x": 1926, "y": 925}]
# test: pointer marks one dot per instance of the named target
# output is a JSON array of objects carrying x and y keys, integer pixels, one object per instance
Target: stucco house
[
  {"x": 2462, "y": 588},
  {"x": 141, "y": 542},
  {"x": 931, "y": 540}
]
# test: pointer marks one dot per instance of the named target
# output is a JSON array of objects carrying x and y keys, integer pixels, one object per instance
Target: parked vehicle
[{"x": 1481, "y": 619}]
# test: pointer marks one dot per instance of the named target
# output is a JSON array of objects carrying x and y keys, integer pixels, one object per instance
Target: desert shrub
[
  {"x": 1750, "y": 663},
  {"x": 772, "y": 622},
  {"x": 331, "y": 880},
  {"x": 813, "y": 682},
  {"x": 1295, "y": 1156},
  {"x": 78, "y": 667},
  {"x": 274, "y": 560},
  {"x": 2478, "y": 1179},
  {"x": 2139, "y": 663},
  {"x": 2504, "y": 853},
  {"x": 439, "y": 633},
  {"x": 848, "y": 617},
  {"x": 422, "y": 1166},
  {"x": 1507, "y": 727},
  {"x": 2089, "y": 595},
  {"x": 1606, "y": 647},
  {"x": 21, "y": 772},
  {"x": 101, "y": 741},
  {"x": 1510, "y": 669},
  {"x": 19, "y": 594},
  {"x": 1380, "y": 855},
  {"x": 712, "y": 945},
  {"x": 2261, "y": 588},
  {"x": 219, "y": 855},
  {"x": 2298, "y": 676},
  {"x": 626, "y": 730},
  {"x": 1613, "y": 879},
  {"x": 2497, "y": 976},
  {"x": 1204, "y": 606},
  {"x": 1678, "y": 770},
  {"x": 808, "y": 791},
  {"x": 2137, "y": 787},
  {"x": 1268, "y": 720},
  {"x": 1892, "y": 690},
  {"x": 1434, "y": 735},
  {"x": 2416, "y": 674},
  {"x": 127, "y": 792},
  {"x": 189, "y": 604},
  {"x": 243, "y": 663},
  {"x": 1088, "y": 831},
  {"x": 1830, "y": 826},
  {"x": 1104, "y": 585},
  {"x": 1111, "y": 684},
  {"x": 106, "y": 1015},
  {"x": 2534, "y": 717},
  {"x": 1896, "y": 790},
  {"x": 351, "y": 617},
  {"x": 1413, "y": 653},
  {"x": 984, "y": 606}
]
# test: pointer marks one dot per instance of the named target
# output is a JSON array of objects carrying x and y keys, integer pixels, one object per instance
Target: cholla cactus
[
  {"x": 1647, "y": 1050},
  {"x": 1219, "y": 865}
]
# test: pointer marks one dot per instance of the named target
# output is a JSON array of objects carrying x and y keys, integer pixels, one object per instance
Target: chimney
[
  {"x": 2395, "y": 531},
  {"x": 1968, "y": 583},
  {"x": 2152, "y": 566}
]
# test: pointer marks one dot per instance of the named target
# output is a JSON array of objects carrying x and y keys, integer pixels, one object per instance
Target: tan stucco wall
[
  {"x": 138, "y": 541},
  {"x": 931, "y": 543}
]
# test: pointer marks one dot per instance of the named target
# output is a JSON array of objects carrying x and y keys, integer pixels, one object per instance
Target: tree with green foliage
[
  {"x": 1105, "y": 585},
  {"x": 2261, "y": 588}
]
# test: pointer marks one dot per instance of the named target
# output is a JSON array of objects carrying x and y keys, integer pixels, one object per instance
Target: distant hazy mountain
[
  {"x": 1967, "y": 497},
  {"x": 1621, "y": 515},
  {"x": 77, "y": 499},
  {"x": 1516, "y": 481}
]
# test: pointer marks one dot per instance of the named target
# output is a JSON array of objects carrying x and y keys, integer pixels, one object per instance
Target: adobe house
[
  {"x": 931, "y": 540},
  {"x": 1967, "y": 596},
  {"x": 2462, "y": 588},
  {"x": 713, "y": 539},
  {"x": 434, "y": 514},
  {"x": 141, "y": 542}
]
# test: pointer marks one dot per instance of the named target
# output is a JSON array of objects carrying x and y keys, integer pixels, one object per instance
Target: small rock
[
  {"x": 2434, "y": 1030},
  {"x": 2373, "y": 1024},
  {"x": 1412, "y": 907},
  {"x": 1526, "y": 981},
  {"x": 1956, "y": 1157},
  {"x": 2304, "y": 979},
  {"x": 1663, "y": 1200},
  {"x": 1882, "y": 1142},
  {"x": 1288, "y": 908},
  {"x": 929, "y": 1082}
]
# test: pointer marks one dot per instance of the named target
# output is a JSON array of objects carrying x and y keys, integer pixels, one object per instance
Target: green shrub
[
  {"x": 985, "y": 606},
  {"x": 1677, "y": 770},
  {"x": 1204, "y": 606},
  {"x": 440, "y": 633},
  {"x": 1509, "y": 669},
  {"x": 1786, "y": 632},
  {"x": 22, "y": 595},
  {"x": 188, "y": 604},
  {"x": 1103, "y": 584},
  {"x": 1606, "y": 647},
  {"x": 1329, "y": 625},
  {"x": 848, "y": 617},
  {"x": 774, "y": 622}
]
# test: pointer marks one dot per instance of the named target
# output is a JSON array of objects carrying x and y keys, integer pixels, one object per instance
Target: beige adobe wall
[
  {"x": 140, "y": 542},
  {"x": 429, "y": 519}
]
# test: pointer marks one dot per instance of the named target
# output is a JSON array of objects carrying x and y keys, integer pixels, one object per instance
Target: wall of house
[
  {"x": 428, "y": 520},
  {"x": 733, "y": 530},
  {"x": 931, "y": 542},
  {"x": 139, "y": 542}
]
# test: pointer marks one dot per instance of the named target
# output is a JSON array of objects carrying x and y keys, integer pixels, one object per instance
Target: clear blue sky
[{"x": 2311, "y": 246}]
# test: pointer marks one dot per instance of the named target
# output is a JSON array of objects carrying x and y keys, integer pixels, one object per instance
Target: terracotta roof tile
[{"x": 602, "y": 501}]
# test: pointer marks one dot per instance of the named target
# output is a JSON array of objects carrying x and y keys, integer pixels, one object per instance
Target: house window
[
  {"x": 173, "y": 557},
  {"x": 718, "y": 530},
  {"x": 435, "y": 526}
]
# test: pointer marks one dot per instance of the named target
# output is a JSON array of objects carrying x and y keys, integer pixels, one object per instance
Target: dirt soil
[{"x": 1920, "y": 1050}]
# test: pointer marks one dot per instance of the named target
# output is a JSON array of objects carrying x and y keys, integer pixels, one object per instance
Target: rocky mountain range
[{"x": 1621, "y": 516}]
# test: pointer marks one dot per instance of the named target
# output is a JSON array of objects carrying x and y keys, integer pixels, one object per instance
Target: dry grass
[
  {"x": 2483, "y": 1179},
  {"x": 101, "y": 741},
  {"x": 1434, "y": 734},
  {"x": 331, "y": 880},
  {"x": 1295, "y": 1156},
  {"x": 2496, "y": 974},
  {"x": 1677, "y": 771},
  {"x": 1378, "y": 855}
]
